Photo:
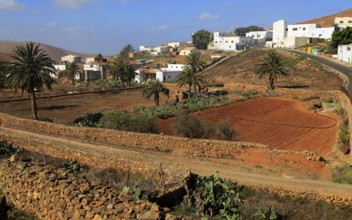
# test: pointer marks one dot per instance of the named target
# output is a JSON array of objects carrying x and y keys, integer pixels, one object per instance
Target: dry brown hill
[
  {"x": 55, "y": 53},
  {"x": 328, "y": 21}
]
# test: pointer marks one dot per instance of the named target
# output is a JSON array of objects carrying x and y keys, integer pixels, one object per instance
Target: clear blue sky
[{"x": 105, "y": 26}]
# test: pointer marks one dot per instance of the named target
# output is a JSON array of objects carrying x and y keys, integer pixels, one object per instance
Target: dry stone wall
[{"x": 52, "y": 193}]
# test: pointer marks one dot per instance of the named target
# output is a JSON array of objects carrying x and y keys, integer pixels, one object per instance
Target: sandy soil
[{"x": 277, "y": 122}]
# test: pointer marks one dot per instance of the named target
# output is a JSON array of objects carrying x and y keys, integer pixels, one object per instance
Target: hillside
[
  {"x": 54, "y": 52},
  {"x": 328, "y": 21},
  {"x": 303, "y": 73}
]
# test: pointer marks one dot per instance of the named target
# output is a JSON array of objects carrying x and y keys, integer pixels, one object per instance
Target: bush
[
  {"x": 7, "y": 149},
  {"x": 344, "y": 137},
  {"x": 130, "y": 121},
  {"x": 192, "y": 127},
  {"x": 214, "y": 196},
  {"x": 342, "y": 175},
  {"x": 90, "y": 120},
  {"x": 73, "y": 166},
  {"x": 224, "y": 131}
]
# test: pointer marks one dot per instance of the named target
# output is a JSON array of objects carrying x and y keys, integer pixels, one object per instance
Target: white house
[
  {"x": 60, "y": 67},
  {"x": 230, "y": 42},
  {"x": 167, "y": 74},
  {"x": 309, "y": 30},
  {"x": 279, "y": 33},
  {"x": 344, "y": 53},
  {"x": 260, "y": 36},
  {"x": 161, "y": 49},
  {"x": 186, "y": 51},
  {"x": 71, "y": 59},
  {"x": 94, "y": 71},
  {"x": 146, "y": 48},
  {"x": 174, "y": 44},
  {"x": 343, "y": 22},
  {"x": 303, "y": 32}
]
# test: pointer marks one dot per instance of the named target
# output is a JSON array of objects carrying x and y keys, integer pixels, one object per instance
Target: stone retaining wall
[{"x": 52, "y": 193}]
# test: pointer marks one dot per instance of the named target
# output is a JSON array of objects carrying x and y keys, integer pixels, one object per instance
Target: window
[
  {"x": 294, "y": 29},
  {"x": 348, "y": 48},
  {"x": 232, "y": 41},
  {"x": 169, "y": 77},
  {"x": 216, "y": 42},
  {"x": 304, "y": 29},
  {"x": 226, "y": 41},
  {"x": 341, "y": 22},
  {"x": 349, "y": 22},
  {"x": 242, "y": 41}
]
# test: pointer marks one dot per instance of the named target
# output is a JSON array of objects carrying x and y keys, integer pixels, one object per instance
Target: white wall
[
  {"x": 300, "y": 30},
  {"x": 279, "y": 33},
  {"x": 231, "y": 43},
  {"x": 173, "y": 67},
  {"x": 145, "y": 48},
  {"x": 343, "y": 22},
  {"x": 60, "y": 67},
  {"x": 71, "y": 59},
  {"x": 323, "y": 33},
  {"x": 295, "y": 42},
  {"x": 344, "y": 53},
  {"x": 174, "y": 44}
]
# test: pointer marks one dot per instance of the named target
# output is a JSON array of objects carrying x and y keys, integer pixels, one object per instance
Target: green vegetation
[
  {"x": 344, "y": 137},
  {"x": 342, "y": 175},
  {"x": 247, "y": 94},
  {"x": 201, "y": 39},
  {"x": 89, "y": 120},
  {"x": 71, "y": 71},
  {"x": 46, "y": 119},
  {"x": 241, "y": 31},
  {"x": 342, "y": 37},
  {"x": 130, "y": 121},
  {"x": 266, "y": 213},
  {"x": 224, "y": 131},
  {"x": 154, "y": 88},
  {"x": 73, "y": 166},
  {"x": 273, "y": 66},
  {"x": 7, "y": 149},
  {"x": 30, "y": 71},
  {"x": 214, "y": 196}
]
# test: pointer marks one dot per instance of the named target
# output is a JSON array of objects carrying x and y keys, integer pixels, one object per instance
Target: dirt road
[{"x": 202, "y": 166}]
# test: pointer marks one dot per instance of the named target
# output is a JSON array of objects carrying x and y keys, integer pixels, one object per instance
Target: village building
[
  {"x": 344, "y": 53},
  {"x": 230, "y": 42},
  {"x": 343, "y": 22}
]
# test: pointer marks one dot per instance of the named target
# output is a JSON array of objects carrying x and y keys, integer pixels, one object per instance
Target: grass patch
[{"x": 342, "y": 175}]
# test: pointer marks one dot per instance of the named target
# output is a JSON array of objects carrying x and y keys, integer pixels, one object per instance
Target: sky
[{"x": 105, "y": 26}]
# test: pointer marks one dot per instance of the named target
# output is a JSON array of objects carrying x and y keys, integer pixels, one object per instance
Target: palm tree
[
  {"x": 117, "y": 68},
  {"x": 272, "y": 65},
  {"x": 154, "y": 87},
  {"x": 193, "y": 60},
  {"x": 129, "y": 74},
  {"x": 71, "y": 71},
  {"x": 189, "y": 77},
  {"x": 30, "y": 71}
]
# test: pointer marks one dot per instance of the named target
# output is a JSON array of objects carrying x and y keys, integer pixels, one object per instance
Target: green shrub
[
  {"x": 89, "y": 120},
  {"x": 192, "y": 127},
  {"x": 344, "y": 137},
  {"x": 224, "y": 131},
  {"x": 330, "y": 100},
  {"x": 342, "y": 175},
  {"x": 73, "y": 166},
  {"x": 214, "y": 196},
  {"x": 266, "y": 213},
  {"x": 250, "y": 93},
  {"x": 7, "y": 149},
  {"x": 130, "y": 121}
]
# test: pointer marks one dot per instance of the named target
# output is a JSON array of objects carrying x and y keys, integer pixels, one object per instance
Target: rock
[
  {"x": 14, "y": 158},
  {"x": 97, "y": 217}
]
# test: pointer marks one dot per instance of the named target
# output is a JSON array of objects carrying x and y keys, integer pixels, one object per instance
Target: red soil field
[{"x": 276, "y": 122}]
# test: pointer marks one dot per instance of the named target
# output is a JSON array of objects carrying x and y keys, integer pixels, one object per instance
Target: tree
[
  {"x": 273, "y": 66},
  {"x": 153, "y": 88},
  {"x": 71, "y": 71},
  {"x": 99, "y": 56},
  {"x": 2, "y": 74},
  {"x": 196, "y": 64},
  {"x": 126, "y": 50},
  {"x": 117, "y": 67},
  {"x": 241, "y": 31},
  {"x": 341, "y": 38},
  {"x": 201, "y": 39},
  {"x": 30, "y": 71},
  {"x": 189, "y": 77},
  {"x": 129, "y": 74}
]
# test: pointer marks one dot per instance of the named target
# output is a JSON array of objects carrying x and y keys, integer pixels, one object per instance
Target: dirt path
[{"x": 228, "y": 169}]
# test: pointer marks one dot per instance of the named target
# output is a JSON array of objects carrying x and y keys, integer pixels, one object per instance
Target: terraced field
[{"x": 277, "y": 122}]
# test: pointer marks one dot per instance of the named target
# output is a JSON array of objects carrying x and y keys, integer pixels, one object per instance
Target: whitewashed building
[
  {"x": 60, "y": 67},
  {"x": 344, "y": 53},
  {"x": 230, "y": 42},
  {"x": 284, "y": 35},
  {"x": 186, "y": 51},
  {"x": 260, "y": 36},
  {"x": 71, "y": 59},
  {"x": 146, "y": 48},
  {"x": 343, "y": 22},
  {"x": 174, "y": 44},
  {"x": 95, "y": 71},
  {"x": 167, "y": 74}
]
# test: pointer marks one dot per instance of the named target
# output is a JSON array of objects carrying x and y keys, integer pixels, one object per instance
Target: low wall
[{"x": 52, "y": 193}]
